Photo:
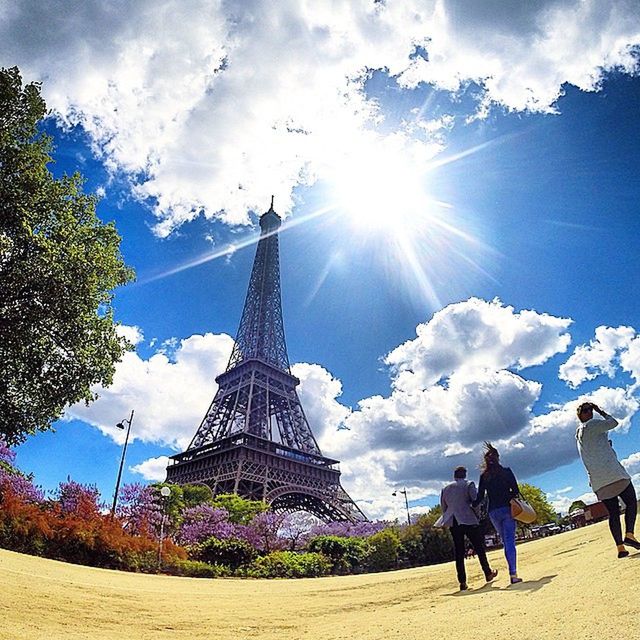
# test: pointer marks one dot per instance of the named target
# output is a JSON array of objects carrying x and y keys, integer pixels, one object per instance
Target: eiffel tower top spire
[{"x": 260, "y": 335}]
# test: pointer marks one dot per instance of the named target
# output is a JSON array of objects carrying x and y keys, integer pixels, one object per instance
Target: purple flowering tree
[
  {"x": 202, "y": 522},
  {"x": 13, "y": 480},
  {"x": 348, "y": 529},
  {"x": 262, "y": 532},
  {"x": 80, "y": 499},
  {"x": 139, "y": 509}
]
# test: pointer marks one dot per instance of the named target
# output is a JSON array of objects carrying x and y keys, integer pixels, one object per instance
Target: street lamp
[
  {"x": 165, "y": 492},
  {"x": 406, "y": 502},
  {"x": 120, "y": 425}
]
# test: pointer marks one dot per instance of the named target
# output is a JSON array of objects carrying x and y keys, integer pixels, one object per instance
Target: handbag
[{"x": 522, "y": 511}]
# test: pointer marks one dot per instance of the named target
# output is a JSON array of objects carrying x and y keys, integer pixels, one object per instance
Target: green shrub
[
  {"x": 347, "y": 555},
  {"x": 196, "y": 569},
  {"x": 289, "y": 564},
  {"x": 233, "y": 552},
  {"x": 383, "y": 550},
  {"x": 438, "y": 546}
]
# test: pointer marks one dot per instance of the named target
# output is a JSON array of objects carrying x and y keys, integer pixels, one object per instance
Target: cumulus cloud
[
  {"x": 632, "y": 463},
  {"x": 207, "y": 105},
  {"x": 476, "y": 333},
  {"x": 169, "y": 396},
  {"x": 153, "y": 469},
  {"x": 602, "y": 356},
  {"x": 319, "y": 392}
]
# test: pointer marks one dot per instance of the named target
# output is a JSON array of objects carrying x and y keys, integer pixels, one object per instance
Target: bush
[
  {"x": 195, "y": 569},
  {"x": 289, "y": 564},
  {"x": 438, "y": 546},
  {"x": 383, "y": 550},
  {"x": 232, "y": 553},
  {"x": 346, "y": 554}
]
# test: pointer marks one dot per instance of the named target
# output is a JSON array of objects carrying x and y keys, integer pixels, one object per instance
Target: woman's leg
[
  {"x": 505, "y": 525},
  {"x": 509, "y": 541},
  {"x": 613, "y": 507},
  {"x": 631, "y": 503}
]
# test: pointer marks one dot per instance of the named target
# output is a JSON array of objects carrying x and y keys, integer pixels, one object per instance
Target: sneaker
[
  {"x": 463, "y": 586},
  {"x": 515, "y": 579},
  {"x": 632, "y": 543},
  {"x": 491, "y": 575}
]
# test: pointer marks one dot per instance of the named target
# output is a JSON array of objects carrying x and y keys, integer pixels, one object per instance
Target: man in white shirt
[
  {"x": 455, "y": 501},
  {"x": 607, "y": 477}
]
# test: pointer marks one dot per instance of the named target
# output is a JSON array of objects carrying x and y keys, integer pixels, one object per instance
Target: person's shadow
[{"x": 525, "y": 585}]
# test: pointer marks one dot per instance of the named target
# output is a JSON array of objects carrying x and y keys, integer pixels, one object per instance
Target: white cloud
[
  {"x": 153, "y": 469},
  {"x": 170, "y": 397},
  {"x": 599, "y": 357},
  {"x": 476, "y": 333},
  {"x": 319, "y": 392},
  {"x": 561, "y": 502},
  {"x": 632, "y": 463},
  {"x": 207, "y": 105},
  {"x": 132, "y": 334}
]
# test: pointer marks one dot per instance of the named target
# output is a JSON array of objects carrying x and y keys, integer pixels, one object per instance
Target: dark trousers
[
  {"x": 475, "y": 537},
  {"x": 631, "y": 508}
]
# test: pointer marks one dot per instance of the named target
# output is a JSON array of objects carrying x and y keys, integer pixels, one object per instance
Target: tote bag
[{"x": 522, "y": 511}]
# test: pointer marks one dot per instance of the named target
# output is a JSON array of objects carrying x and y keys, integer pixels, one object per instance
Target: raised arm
[{"x": 601, "y": 426}]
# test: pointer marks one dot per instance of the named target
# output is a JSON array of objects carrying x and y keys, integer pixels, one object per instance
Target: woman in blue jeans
[{"x": 500, "y": 485}]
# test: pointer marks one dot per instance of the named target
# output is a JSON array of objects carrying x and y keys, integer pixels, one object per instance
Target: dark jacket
[{"x": 500, "y": 485}]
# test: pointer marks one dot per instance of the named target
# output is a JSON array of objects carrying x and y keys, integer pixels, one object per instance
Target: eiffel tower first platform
[{"x": 255, "y": 439}]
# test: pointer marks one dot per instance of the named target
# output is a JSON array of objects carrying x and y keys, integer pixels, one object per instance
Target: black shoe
[
  {"x": 623, "y": 554},
  {"x": 632, "y": 543},
  {"x": 463, "y": 586},
  {"x": 491, "y": 575}
]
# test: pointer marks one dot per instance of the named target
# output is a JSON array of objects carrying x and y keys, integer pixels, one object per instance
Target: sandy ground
[{"x": 574, "y": 587}]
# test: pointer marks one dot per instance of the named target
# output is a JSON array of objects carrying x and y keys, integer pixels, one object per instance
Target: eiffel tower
[{"x": 255, "y": 440}]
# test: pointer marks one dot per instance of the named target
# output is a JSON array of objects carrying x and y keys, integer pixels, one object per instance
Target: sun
[{"x": 381, "y": 188}]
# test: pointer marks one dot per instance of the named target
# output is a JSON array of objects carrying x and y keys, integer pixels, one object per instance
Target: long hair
[{"x": 491, "y": 459}]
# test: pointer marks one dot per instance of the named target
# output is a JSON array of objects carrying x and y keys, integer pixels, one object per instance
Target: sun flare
[{"x": 381, "y": 189}]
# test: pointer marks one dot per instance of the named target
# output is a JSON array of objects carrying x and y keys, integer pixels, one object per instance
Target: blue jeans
[{"x": 505, "y": 525}]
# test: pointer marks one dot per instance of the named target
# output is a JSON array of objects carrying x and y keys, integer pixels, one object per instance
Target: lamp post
[
  {"x": 165, "y": 492},
  {"x": 406, "y": 502},
  {"x": 120, "y": 425}
]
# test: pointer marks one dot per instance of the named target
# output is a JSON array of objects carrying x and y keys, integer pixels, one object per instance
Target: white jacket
[{"x": 598, "y": 456}]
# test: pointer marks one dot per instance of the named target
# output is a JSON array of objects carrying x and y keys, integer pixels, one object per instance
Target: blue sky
[{"x": 460, "y": 192}]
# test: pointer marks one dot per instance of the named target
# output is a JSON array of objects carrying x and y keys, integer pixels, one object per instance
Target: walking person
[
  {"x": 500, "y": 485},
  {"x": 456, "y": 500},
  {"x": 607, "y": 477}
]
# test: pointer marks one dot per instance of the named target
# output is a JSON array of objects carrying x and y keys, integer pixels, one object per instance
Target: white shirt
[{"x": 598, "y": 456}]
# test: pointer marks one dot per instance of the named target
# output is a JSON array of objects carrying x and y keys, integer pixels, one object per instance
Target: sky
[{"x": 459, "y": 185}]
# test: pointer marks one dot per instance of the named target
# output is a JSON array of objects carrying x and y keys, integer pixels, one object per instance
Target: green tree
[
  {"x": 58, "y": 266},
  {"x": 241, "y": 510},
  {"x": 383, "y": 548},
  {"x": 537, "y": 499},
  {"x": 577, "y": 504}
]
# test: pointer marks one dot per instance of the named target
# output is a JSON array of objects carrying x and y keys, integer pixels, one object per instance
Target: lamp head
[{"x": 120, "y": 425}]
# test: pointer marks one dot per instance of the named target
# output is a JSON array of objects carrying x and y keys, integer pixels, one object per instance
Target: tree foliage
[
  {"x": 537, "y": 499},
  {"x": 58, "y": 266},
  {"x": 577, "y": 504}
]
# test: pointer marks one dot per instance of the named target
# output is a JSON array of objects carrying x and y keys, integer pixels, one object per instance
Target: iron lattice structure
[{"x": 255, "y": 439}]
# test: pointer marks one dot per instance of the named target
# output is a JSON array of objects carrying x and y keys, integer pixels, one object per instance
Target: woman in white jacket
[{"x": 607, "y": 477}]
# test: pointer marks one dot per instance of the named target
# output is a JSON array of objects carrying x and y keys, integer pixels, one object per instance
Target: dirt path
[{"x": 574, "y": 587}]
